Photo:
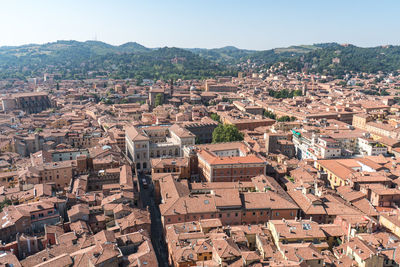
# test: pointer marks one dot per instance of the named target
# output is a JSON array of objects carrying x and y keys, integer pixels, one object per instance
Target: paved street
[{"x": 157, "y": 238}]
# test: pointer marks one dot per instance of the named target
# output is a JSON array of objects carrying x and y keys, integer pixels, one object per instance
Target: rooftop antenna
[{"x": 95, "y": 36}]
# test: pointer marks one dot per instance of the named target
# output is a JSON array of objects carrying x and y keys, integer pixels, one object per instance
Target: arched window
[{"x": 138, "y": 165}]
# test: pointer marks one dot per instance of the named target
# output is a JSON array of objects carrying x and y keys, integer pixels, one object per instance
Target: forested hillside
[{"x": 79, "y": 60}]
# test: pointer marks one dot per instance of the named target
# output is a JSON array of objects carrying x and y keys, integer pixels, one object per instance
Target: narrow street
[{"x": 157, "y": 238}]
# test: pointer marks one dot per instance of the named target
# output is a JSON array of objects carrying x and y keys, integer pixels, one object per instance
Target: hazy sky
[{"x": 208, "y": 23}]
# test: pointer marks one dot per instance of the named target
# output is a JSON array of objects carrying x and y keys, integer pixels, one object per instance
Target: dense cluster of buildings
[{"x": 105, "y": 172}]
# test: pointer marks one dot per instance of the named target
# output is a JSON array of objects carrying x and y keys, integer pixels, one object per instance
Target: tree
[
  {"x": 6, "y": 202},
  {"x": 384, "y": 92},
  {"x": 158, "y": 101},
  {"x": 284, "y": 93},
  {"x": 215, "y": 117},
  {"x": 226, "y": 133},
  {"x": 95, "y": 97},
  {"x": 269, "y": 114},
  {"x": 297, "y": 93},
  {"x": 107, "y": 101},
  {"x": 286, "y": 118},
  {"x": 139, "y": 80}
]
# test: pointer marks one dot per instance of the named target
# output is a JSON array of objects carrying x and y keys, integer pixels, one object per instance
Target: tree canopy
[
  {"x": 286, "y": 118},
  {"x": 6, "y": 202},
  {"x": 226, "y": 133},
  {"x": 159, "y": 100},
  {"x": 285, "y": 93},
  {"x": 269, "y": 114},
  {"x": 215, "y": 117}
]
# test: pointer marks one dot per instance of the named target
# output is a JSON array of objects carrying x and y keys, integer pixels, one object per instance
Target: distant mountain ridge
[
  {"x": 95, "y": 47},
  {"x": 79, "y": 60}
]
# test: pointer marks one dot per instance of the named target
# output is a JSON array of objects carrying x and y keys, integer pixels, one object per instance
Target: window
[
  {"x": 254, "y": 213},
  {"x": 277, "y": 213},
  {"x": 236, "y": 214},
  {"x": 169, "y": 220},
  {"x": 228, "y": 215},
  {"x": 50, "y": 212},
  {"x": 33, "y": 217},
  {"x": 41, "y": 215},
  {"x": 220, "y": 215},
  {"x": 306, "y": 226}
]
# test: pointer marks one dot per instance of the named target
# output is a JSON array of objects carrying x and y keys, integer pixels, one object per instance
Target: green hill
[
  {"x": 79, "y": 60},
  {"x": 340, "y": 59},
  {"x": 75, "y": 60},
  {"x": 225, "y": 55}
]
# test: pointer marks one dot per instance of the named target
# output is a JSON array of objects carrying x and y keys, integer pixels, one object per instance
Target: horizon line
[{"x": 158, "y": 47}]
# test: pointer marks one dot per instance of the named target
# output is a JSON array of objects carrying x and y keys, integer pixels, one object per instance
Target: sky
[{"x": 247, "y": 24}]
